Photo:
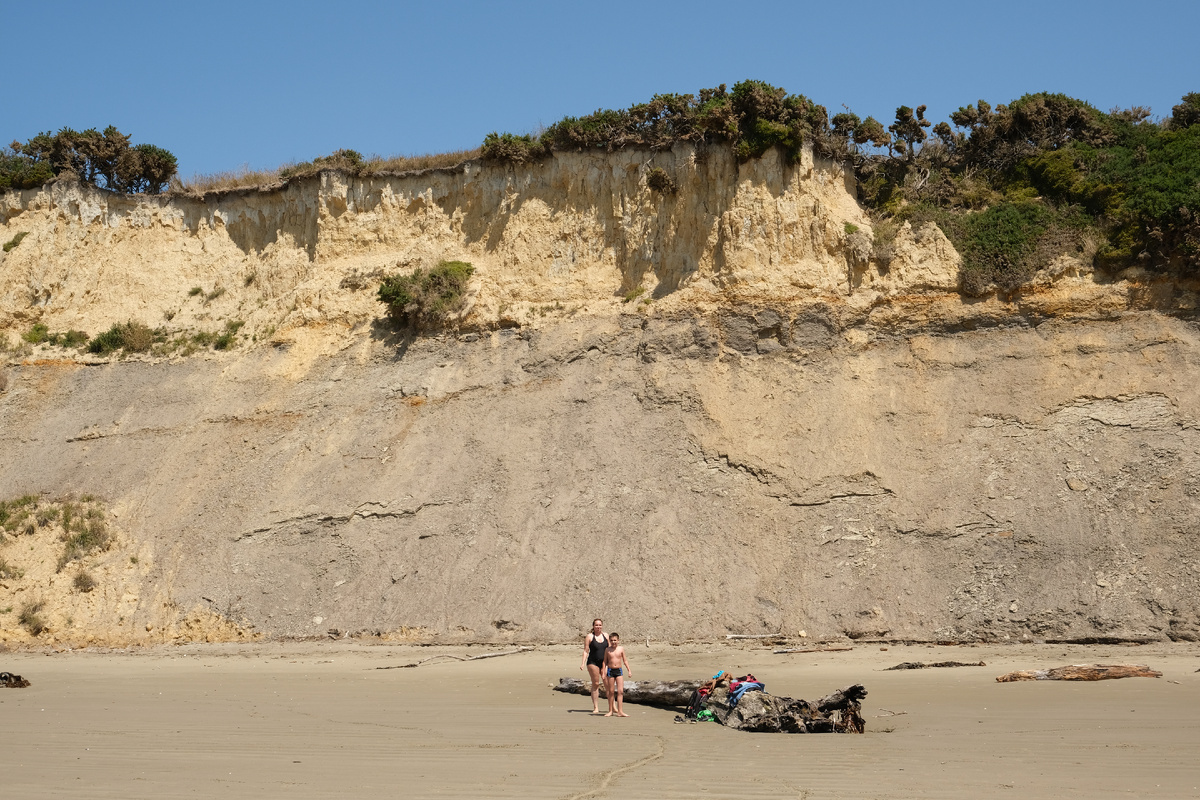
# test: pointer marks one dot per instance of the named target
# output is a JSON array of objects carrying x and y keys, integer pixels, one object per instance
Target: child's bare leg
[
  {"x": 620, "y": 687},
  {"x": 608, "y": 689},
  {"x": 594, "y": 673}
]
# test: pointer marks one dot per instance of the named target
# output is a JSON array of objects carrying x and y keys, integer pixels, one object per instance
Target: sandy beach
[{"x": 320, "y": 720}]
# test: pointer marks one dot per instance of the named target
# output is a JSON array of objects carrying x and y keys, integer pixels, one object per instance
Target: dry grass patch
[
  {"x": 84, "y": 581},
  {"x": 31, "y": 617},
  {"x": 265, "y": 179}
]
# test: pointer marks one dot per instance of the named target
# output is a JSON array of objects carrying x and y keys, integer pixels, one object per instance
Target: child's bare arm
[{"x": 628, "y": 669}]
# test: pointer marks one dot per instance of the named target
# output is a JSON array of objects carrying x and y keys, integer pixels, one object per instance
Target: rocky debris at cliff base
[
  {"x": 756, "y": 711},
  {"x": 932, "y": 664},
  {"x": 1081, "y": 672},
  {"x": 11, "y": 681}
]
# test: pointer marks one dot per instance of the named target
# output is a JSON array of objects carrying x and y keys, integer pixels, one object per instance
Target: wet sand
[{"x": 318, "y": 720}]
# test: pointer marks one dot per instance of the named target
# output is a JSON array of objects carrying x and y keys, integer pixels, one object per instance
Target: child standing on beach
[{"x": 614, "y": 675}]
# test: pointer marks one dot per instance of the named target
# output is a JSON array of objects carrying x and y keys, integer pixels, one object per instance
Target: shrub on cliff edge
[{"x": 102, "y": 158}]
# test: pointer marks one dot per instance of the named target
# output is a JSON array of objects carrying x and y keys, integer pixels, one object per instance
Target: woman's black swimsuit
[{"x": 596, "y": 650}]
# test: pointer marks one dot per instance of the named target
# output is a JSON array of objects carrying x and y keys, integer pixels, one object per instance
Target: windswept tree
[
  {"x": 102, "y": 158},
  {"x": 908, "y": 131}
]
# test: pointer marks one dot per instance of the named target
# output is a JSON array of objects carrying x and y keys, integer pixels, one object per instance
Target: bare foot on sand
[
  {"x": 622, "y": 714},
  {"x": 609, "y": 714}
]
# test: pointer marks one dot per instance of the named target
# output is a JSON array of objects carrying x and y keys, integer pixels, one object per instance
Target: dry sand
[{"x": 318, "y": 720}]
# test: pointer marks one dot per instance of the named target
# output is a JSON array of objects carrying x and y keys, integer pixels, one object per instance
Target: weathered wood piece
[
  {"x": 815, "y": 650},
  {"x": 1082, "y": 672},
  {"x": 11, "y": 681},
  {"x": 457, "y": 658},
  {"x": 930, "y": 665},
  {"x": 754, "y": 636},
  {"x": 647, "y": 693}
]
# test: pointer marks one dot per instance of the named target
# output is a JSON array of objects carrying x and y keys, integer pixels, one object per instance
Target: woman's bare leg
[{"x": 594, "y": 672}]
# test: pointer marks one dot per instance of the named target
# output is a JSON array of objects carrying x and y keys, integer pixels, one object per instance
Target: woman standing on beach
[{"x": 595, "y": 644}]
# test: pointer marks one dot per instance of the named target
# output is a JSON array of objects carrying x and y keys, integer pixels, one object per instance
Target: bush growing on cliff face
[
  {"x": 658, "y": 180},
  {"x": 102, "y": 158},
  {"x": 426, "y": 297},
  {"x": 131, "y": 336}
]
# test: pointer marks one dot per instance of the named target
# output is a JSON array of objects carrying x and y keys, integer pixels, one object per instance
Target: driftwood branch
[
  {"x": 457, "y": 658},
  {"x": 754, "y": 636},
  {"x": 924, "y": 665},
  {"x": 816, "y": 650},
  {"x": 1082, "y": 672}
]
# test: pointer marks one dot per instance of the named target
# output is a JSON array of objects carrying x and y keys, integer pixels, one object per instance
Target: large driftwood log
[
  {"x": 1082, "y": 672},
  {"x": 647, "y": 693},
  {"x": 759, "y": 712}
]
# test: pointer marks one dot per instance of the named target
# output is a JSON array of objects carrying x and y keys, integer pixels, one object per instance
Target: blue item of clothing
[
  {"x": 615, "y": 672},
  {"x": 736, "y": 695}
]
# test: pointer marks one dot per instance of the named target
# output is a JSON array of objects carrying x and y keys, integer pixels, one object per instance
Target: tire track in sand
[{"x": 611, "y": 774}]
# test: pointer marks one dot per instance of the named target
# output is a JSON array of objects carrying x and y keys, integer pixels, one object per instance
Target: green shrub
[
  {"x": 131, "y": 336},
  {"x": 16, "y": 240},
  {"x": 426, "y": 297},
  {"x": 345, "y": 160},
  {"x": 104, "y": 159},
  {"x": 227, "y": 339},
  {"x": 18, "y": 171},
  {"x": 511, "y": 148},
  {"x": 753, "y": 117},
  {"x": 996, "y": 246},
  {"x": 37, "y": 334},
  {"x": 195, "y": 290},
  {"x": 1187, "y": 113},
  {"x": 658, "y": 180},
  {"x": 72, "y": 338},
  {"x": 31, "y": 617},
  {"x": 89, "y": 537}
]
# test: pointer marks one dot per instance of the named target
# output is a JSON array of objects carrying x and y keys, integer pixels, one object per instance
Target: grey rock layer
[{"x": 1035, "y": 481}]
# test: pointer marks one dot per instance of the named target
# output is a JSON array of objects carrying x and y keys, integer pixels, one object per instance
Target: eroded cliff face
[
  {"x": 577, "y": 230},
  {"x": 788, "y": 436}
]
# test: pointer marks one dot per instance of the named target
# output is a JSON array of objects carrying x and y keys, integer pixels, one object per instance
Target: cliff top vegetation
[{"x": 1013, "y": 186}]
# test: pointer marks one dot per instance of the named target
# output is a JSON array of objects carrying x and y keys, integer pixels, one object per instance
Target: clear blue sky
[{"x": 222, "y": 84}]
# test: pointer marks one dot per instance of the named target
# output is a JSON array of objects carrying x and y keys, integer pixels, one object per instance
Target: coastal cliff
[{"x": 718, "y": 409}]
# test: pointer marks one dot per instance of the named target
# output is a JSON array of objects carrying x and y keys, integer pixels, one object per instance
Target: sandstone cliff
[{"x": 779, "y": 433}]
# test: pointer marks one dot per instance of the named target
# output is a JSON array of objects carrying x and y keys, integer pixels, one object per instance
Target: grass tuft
[
  {"x": 84, "y": 581},
  {"x": 13, "y": 242},
  {"x": 31, "y": 617}
]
